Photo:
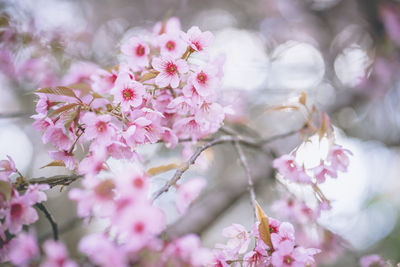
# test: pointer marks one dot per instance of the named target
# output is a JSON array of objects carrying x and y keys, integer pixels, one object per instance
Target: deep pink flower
[
  {"x": 127, "y": 92},
  {"x": 188, "y": 192},
  {"x": 198, "y": 40},
  {"x": 137, "y": 50},
  {"x": 20, "y": 212},
  {"x": 169, "y": 69}
]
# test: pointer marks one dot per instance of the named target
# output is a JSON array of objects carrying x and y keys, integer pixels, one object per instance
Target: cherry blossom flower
[
  {"x": 170, "y": 25},
  {"x": 171, "y": 44},
  {"x": 286, "y": 255},
  {"x": 7, "y": 167},
  {"x": 102, "y": 251},
  {"x": 204, "y": 80},
  {"x": 56, "y": 255},
  {"x": 322, "y": 170},
  {"x": 56, "y": 136},
  {"x": 66, "y": 157},
  {"x": 289, "y": 169},
  {"x": 188, "y": 192},
  {"x": 239, "y": 238},
  {"x": 198, "y": 40},
  {"x": 339, "y": 158},
  {"x": 20, "y": 212},
  {"x": 98, "y": 127},
  {"x": 137, "y": 51},
  {"x": 372, "y": 260},
  {"x": 103, "y": 81},
  {"x": 23, "y": 248},
  {"x": 79, "y": 72},
  {"x": 127, "y": 92},
  {"x": 169, "y": 69},
  {"x": 285, "y": 233}
]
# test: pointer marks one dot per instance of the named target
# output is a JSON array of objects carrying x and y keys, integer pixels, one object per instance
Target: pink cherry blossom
[
  {"x": 285, "y": 233},
  {"x": 339, "y": 158},
  {"x": 285, "y": 255},
  {"x": 188, "y": 192},
  {"x": 102, "y": 251},
  {"x": 20, "y": 212},
  {"x": 171, "y": 44},
  {"x": 198, "y": 40},
  {"x": 290, "y": 170},
  {"x": 7, "y": 167},
  {"x": 372, "y": 260},
  {"x": 23, "y": 248},
  {"x": 103, "y": 81},
  {"x": 98, "y": 127},
  {"x": 80, "y": 72},
  {"x": 169, "y": 69},
  {"x": 239, "y": 238},
  {"x": 205, "y": 80},
  {"x": 56, "y": 255},
  {"x": 137, "y": 51},
  {"x": 170, "y": 25},
  {"x": 322, "y": 170},
  {"x": 57, "y": 137},
  {"x": 127, "y": 92}
]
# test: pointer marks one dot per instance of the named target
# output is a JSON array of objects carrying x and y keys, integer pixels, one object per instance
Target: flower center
[
  {"x": 139, "y": 227},
  {"x": 16, "y": 210},
  {"x": 171, "y": 68},
  {"x": 128, "y": 94},
  {"x": 197, "y": 45},
  {"x": 101, "y": 126},
  {"x": 140, "y": 50},
  {"x": 288, "y": 260},
  {"x": 170, "y": 45},
  {"x": 202, "y": 77},
  {"x": 273, "y": 229},
  {"x": 138, "y": 182}
]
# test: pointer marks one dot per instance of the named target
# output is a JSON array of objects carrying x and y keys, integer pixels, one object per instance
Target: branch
[
  {"x": 245, "y": 166},
  {"x": 50, "y": 218},
  {"x": 51, "y": 181}
]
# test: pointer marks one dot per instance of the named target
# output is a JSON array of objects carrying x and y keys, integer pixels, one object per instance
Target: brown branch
[
  {"x": 51, "y": 181},
  {"x": 246, "y": 167},
  {"x": 50, "y": 218}
]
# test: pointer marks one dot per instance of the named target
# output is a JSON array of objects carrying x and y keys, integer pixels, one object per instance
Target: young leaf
[
  {"x": 62, "y": 109},
  {"x": 162, "y": 168},
  {"x": 83, "y": 87},
  {"x": 59, "y": 90},
  {"x": 263, "y": 228},
  {"x": 5, "y": 189},
  {"x": 56, "y": 163},
  {"x": 148, "y": 76}
]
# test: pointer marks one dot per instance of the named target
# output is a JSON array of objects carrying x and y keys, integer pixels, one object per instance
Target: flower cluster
[
  {"x": 16, "y": 210},
  {"x": 279, "y": 249}
]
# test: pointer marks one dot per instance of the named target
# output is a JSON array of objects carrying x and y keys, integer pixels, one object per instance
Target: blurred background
[{"x": 343, "y": 53}]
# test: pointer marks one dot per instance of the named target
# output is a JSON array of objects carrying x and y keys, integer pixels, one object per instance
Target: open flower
[
  {"x": 127, "y": 92},
  {"x": 137, "y": 51},
  {"x": 198, "y": 40},
  {"x": 169, "y": 69}
]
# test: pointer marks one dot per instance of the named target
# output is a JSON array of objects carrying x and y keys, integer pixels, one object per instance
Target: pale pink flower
[
  {"x": 322, "y": 170},
  {"x": 23, "y": 248},
  {"x": 210, "y": 117},
  {"x": 66, "y": 157},
  {"x": 187, "y": 128},
  {"x": 127, "y": 92},
  {"x": 188, "y": 192},
  {"x": 102, "y": 251},
  {"x": 34, "y": 193},
  {"x": 181, "y": 105},
  {"x": 98, "y": 197},
  {"x": 7, "y": 167},
  {"x": 170, "y": 25},
  {"x": 285, "y": 255},
  {"x": 57, "y": 137},
  {"x": 169, "y": 69},
  {"x": 239, "y": 238},
  {"x": 140, "y": 222},
  {"x": 190, "y": 92},
  {"x": 98, "y": 127},
  {"x": 372, "y": 260},
  {"x": 290, "y": 170},
  {"x": 120, "y": 150},
  {"x": 171, "y": 44},
  {"x": 19, "y": 213},
  {"x": 133, "y": 181},
  {"x": 205, "y": 80},
  {"x": 339, "y": 158},
  {"x": 285, "y": 233},
  {"x": 103, "y": 81},
  {"x": 56, "y": 255},
  {"x": 198, "y": 40},
  {"x": 137, "y": 50},
  {"x": 43, "y": 104},
  {"x": 94, "y": 162},
  {"x": 169, "y": 138},
  {"x": 79, "y": 72}
]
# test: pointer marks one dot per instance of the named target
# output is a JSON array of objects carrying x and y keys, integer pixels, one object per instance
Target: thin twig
[
  {"x": 218, "y": 140},
  {"x": 51, "y": 181},
  {"x": 50, "y": 218},
  {"x": 246, "y": 167}
]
